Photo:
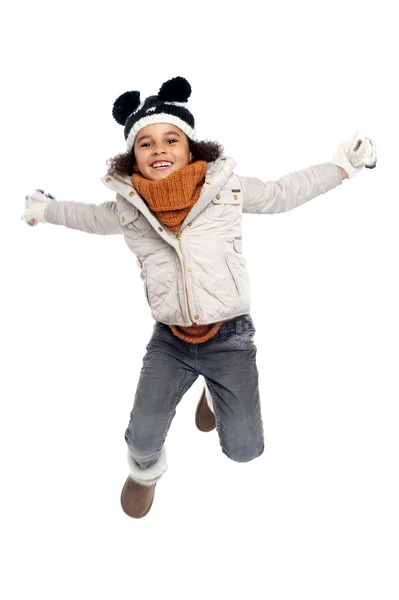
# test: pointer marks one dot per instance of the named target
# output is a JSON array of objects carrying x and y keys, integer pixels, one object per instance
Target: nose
[{"x": 159, "y": 149}]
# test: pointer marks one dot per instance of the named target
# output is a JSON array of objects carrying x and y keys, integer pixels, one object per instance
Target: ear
[
  {"x": 136, "y": 169},
  {"x": 191, "y": 157}
]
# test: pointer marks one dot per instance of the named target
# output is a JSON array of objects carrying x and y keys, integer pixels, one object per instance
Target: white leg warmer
[{"x": 150, "y": 475}]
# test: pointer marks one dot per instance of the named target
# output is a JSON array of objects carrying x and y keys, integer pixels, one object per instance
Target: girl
[{"x": 179, "y": 205}]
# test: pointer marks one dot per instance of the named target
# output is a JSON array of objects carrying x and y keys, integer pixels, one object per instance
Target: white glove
[
  {"x": 35, "y": 205},
  {"x": 352, "y": 156}
]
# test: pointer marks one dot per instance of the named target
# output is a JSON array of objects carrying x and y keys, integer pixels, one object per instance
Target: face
[{"x": 161, "y": 149}]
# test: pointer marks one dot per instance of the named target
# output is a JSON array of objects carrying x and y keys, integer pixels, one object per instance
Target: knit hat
[{"x": 167, "y": 107}]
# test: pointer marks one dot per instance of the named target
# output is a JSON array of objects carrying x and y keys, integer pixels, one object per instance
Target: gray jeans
[{"x": 170, "y": 366}]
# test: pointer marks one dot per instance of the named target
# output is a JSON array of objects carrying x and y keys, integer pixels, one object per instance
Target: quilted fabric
[{"x": 198, "y": 275}]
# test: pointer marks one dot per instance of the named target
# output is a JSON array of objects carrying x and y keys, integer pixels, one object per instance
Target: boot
[
  {"x": 137, "y": 499},
  {"x": 138, "y": 492},
  {"x": 204, "y": 418}
]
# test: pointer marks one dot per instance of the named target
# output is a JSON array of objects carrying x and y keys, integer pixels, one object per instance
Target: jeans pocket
[{"x": 243, "y": 340}]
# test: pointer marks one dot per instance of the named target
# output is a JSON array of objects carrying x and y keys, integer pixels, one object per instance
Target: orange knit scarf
[{"x": 171, "y": 199}]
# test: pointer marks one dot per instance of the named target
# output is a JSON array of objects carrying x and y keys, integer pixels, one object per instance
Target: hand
[
  {"x": 34, "y": 207},
  {"x": 352, "y": 156}
]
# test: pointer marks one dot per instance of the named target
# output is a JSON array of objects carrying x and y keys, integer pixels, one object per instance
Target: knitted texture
[
  {"x": 171, "y": 199},
  {"x": 168, "y": 106},
  {"x": 196, "y": 334}
]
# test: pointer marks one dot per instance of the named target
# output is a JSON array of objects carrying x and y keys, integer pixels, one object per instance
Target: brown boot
[
  {"x": 204, "y": 418},
  {"x": 137, "y": 499}
]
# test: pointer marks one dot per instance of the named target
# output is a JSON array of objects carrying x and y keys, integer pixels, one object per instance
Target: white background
[{"x": 280, "y": 87}]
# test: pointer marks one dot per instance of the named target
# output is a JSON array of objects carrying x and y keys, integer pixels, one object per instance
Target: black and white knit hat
[{"x": 167, "y": 107}]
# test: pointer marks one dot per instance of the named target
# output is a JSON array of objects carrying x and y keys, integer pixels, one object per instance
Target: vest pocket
[
  {"x": 134, "y": 223},
  {"x": 237, "y": 245},
  {"x": 226, "y": 206},
  {"x": 144, "y": 277},
  {"x": 146, "y": 292},
  {"x": 230, "y": 266}
]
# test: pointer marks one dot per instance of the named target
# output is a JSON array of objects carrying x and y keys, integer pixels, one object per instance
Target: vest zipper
[{"x": 178, "y": 235}]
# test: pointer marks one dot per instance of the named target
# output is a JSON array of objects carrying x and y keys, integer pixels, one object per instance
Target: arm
[
  {"x": 92, "y": 218},
  {"x": 290, "y": 191}
]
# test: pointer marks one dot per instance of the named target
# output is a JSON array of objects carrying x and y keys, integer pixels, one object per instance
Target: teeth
[{"x": 158, "y": 165}]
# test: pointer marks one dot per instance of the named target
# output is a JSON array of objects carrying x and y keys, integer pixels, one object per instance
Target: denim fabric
[{"x": 170, "y": 366}]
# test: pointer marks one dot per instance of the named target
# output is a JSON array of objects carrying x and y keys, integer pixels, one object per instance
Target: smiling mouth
[{"x": 160, "y": 166}]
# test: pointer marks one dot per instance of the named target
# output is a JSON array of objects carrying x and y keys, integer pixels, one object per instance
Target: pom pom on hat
[
  {"x": 175, "y": 90},
  {"x": 125, "y": 105}
]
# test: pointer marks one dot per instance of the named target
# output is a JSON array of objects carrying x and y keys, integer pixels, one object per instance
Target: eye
[
  {"x": 145, "y": 145},
  {"x": 171, "y": 141}
]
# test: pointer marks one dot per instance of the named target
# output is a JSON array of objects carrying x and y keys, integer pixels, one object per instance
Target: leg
[
  {"x": 228, "y": 363},
  {"x": 167, "y": 373}
]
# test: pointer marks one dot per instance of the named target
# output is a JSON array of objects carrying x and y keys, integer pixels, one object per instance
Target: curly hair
[{"x": 123, "y": 164}]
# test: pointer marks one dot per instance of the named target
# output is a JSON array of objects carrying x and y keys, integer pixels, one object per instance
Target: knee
[{"x": 242, "y": 453}]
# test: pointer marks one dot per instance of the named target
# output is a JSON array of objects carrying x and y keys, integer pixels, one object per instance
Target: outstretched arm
[
  {"x": 289, "y": 191},
  {"x": 299, "y": 187},
  {"x": 91, "y": 218}
]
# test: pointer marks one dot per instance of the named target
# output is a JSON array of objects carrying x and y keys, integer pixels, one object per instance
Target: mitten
[
  {"x": 35, "y": 205},
  {"x": 352, "y": 156}
]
